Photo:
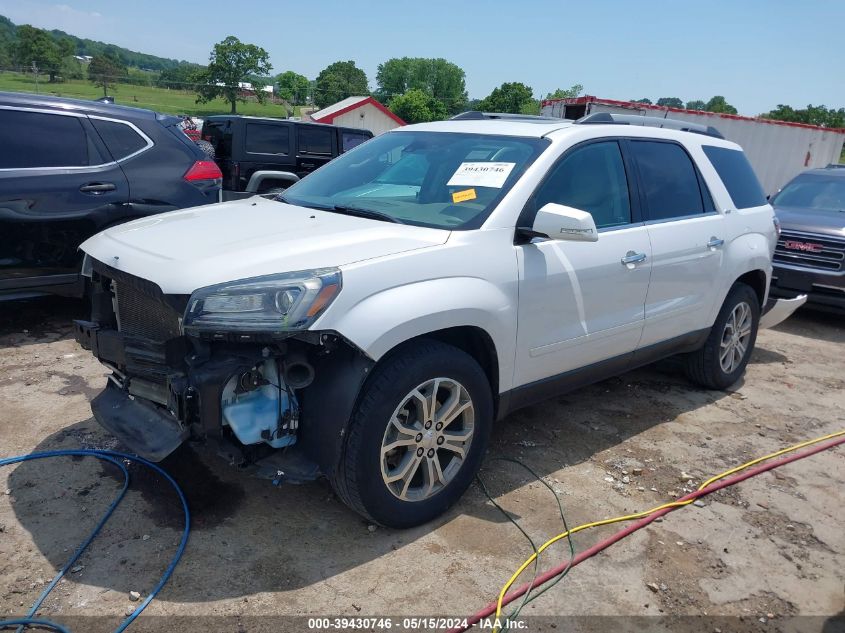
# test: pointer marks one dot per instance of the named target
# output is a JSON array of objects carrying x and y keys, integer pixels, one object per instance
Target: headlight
[{"x": 270, "y": 304}]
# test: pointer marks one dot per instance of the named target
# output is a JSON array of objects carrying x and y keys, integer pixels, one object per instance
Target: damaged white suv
[{"x": 371, "y": 323}]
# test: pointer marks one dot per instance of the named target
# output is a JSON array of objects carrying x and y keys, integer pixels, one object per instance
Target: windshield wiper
[{"x": 367, "y": 213}]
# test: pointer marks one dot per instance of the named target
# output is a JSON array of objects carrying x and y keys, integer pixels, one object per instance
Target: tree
[
  {"x": 645, "y": 101},
  {"x": 230, "y": 63},
  {"x": 105, "y": 70},
  {"x": 338, "y": 81},
  {"x": 38, "y": 47},
  {"x": 670, "y": 102},
  {"x": 697, "y": 104},
  {"x": 566, "y": 93},
  {"x": 293, "y": 87},
  {"x": 812, "y": 115},
  {"x": 417, "y": 106},
  {"x": 179, "y": 77},
  {"x": 719, "y": 104},
  {"x": 439, "y": 78},
  {"x": 509, "y": 97}
]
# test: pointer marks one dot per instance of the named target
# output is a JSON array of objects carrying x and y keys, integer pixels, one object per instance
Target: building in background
[
  {"x": 778, "y": 150},
  {"x": 358, "y": 112}
]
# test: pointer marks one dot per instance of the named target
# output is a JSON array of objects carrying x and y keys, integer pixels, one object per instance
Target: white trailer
[{"x": 778, "y": 150}]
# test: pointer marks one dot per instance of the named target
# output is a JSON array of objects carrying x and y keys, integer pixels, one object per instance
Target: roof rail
[
  {"x": 836, "y": 166},
  {"x": 607, "y": 118},
  {"x": 476, "y": 115}
]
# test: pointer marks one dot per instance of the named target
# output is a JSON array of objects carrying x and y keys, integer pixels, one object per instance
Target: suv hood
[
  {"x": 812, "y": 220},
  {"x": 201, "y": 246}
]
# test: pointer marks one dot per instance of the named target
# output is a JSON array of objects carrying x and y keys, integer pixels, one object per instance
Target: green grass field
[{"x": 158, "y": 99}]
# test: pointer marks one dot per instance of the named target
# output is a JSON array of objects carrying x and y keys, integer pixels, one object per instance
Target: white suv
[{"x": 372, "y": 322}]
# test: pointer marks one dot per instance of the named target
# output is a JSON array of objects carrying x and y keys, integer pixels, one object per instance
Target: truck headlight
[{"x": 271, "y": 304}]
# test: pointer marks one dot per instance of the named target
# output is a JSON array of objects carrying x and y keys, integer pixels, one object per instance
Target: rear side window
[
  {"x": 352, "y": 139},
  {"x": 591, "y": 178},
  {"x": 736, "y": 172},
  {"x": 34, "y": 139},
  {"x": 262, "y": 138},
  {"x": 315, "y": 140},
  {"x": 121, "y": 139},
  {"x": 669, "y": 180}
]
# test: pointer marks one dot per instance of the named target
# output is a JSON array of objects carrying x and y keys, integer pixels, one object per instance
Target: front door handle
[
  {"x": 632, "y": 257},
  {"x": 715, "y": 242},
  {"x": 97, "y": 187}
]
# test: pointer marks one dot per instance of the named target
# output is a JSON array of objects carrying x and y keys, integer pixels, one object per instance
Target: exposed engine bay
[{"x": 247, "y": 392}]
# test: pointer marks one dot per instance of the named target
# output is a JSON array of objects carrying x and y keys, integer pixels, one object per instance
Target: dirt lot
[{"x": 757, "y": 554}]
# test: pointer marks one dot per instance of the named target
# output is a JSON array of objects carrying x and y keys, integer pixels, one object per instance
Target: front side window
[
  {"x": 811, "y": 191},
  {"x": 669, "y": 180},
  {"x": 315, "y": 140},
  {"x": 590, "y": 178},
  {"x": 35, "y": 139},
  {"x": 737, "y": 175},
  {"x": 438, "y": 179},
  {"x": 263, "y": 138},
  {"x": 351, "y": 140}
]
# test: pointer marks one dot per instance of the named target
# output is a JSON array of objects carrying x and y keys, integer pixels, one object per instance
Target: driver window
[{"x": 591, "y": 178}]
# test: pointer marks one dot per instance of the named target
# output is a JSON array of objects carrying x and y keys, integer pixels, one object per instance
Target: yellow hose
[{"x": 645, "y": 513}]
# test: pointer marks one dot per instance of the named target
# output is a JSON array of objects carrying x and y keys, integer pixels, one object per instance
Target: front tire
[
  {"x": 417, "y": 436},
  {"x": 725, "y": 354}
]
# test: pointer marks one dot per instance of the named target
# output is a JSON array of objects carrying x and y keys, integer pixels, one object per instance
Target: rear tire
[
  {"x": 417, "y": 435},
  {"x": 725, "y": 354}
]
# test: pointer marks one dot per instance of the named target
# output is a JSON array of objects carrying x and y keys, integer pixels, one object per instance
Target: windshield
[
  {"x": 823, "y": 193},
  {"x": 436, "y": 179}
]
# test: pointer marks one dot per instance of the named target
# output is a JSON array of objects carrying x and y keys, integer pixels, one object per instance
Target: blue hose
[{"x": 114, "y": 457}]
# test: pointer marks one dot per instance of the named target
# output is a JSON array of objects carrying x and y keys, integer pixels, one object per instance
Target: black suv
[
  {"x": 248, "y": 146},
  {"x": 70, "y": 168}
]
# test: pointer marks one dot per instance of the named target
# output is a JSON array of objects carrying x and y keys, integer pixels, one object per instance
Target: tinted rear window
[
  {"x": 33, "y": 139},
  {"x": 315, "y": 140},
  {"x": 669, "y": 180},
  {"x": 121, "y": 139},
  {"x": 262, "y": 138},
  {"x": 738, "y": 175}
]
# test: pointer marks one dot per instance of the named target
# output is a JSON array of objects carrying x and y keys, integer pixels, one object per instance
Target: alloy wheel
[
  {"x": 735, "y": 337},
  {"x": 427, "y": 439}
]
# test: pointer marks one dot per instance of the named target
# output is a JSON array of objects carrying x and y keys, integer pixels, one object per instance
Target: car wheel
[
  {"x": 722, "y": 359},
  {"x": 417, "y": 436}
]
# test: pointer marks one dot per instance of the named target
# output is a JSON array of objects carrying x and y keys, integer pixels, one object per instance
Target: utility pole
[{"x": 35, "y": 72}]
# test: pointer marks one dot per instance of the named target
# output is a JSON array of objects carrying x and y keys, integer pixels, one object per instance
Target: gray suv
[{"x": 810, "y": 254}]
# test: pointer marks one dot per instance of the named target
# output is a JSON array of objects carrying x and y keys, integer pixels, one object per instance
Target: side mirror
[{"x": 560, "y": 222}]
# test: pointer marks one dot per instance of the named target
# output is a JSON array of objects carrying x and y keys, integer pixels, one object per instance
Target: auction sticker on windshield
[{"x": 481, "y": 175}]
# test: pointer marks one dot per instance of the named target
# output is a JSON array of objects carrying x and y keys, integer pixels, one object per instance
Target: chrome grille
[
  {"x": 819, "y": 252},
  {"x": 143, "y": 316}
]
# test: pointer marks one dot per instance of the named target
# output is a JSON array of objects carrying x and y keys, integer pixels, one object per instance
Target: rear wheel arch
[{"x": 756, "y": 279}]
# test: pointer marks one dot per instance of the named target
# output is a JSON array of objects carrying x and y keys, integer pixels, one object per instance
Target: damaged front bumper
[
  {"x": 148, "y": 430},
  {"x": 778, "y": 310}
]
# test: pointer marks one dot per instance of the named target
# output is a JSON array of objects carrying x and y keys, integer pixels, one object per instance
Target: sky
[{"x": 756, "y": 53}]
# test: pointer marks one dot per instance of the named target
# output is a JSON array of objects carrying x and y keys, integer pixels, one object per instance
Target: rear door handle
[
  {"x": 97, "y": 187},
  {"x": 715, "y": 242},
  {"x": 632, "y": 257}
]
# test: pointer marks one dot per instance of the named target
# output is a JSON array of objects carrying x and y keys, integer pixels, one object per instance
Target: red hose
[{"x": 641, "y": 523}]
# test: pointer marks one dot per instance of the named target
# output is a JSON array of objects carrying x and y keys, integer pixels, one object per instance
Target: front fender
[{"x": 379, "y": 322}]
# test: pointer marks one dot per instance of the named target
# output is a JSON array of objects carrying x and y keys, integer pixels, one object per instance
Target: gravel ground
[{"x": 768, "y": 554}]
